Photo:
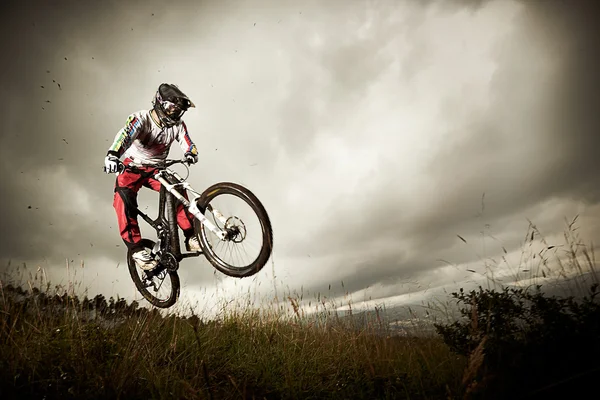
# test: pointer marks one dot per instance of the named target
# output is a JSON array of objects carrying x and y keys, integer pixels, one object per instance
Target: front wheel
[
  {"x": 159, "y": 286},
  {"x": 249, "y": 243}
]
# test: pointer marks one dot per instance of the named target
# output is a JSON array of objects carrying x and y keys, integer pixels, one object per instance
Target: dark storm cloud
[
  {"x": 525, "y": 148},
  {"x": 554, "y": 130},
  {"x": 52, "y": 225},
  {"x": 266, "y": 93},
  {"x": 572, "y": 111},
  {"x": 64, "y": 110},
  {"x": 332, "y": 67}
]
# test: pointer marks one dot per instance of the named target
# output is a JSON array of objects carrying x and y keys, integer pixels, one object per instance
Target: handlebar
[{"x": 163, "y": 165}]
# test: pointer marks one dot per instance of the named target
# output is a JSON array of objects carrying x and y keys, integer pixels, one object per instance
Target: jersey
[{"x": 145, "y": 142}]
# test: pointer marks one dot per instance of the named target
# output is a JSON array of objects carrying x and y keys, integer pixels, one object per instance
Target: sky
[{"x": 396, "y": 145}]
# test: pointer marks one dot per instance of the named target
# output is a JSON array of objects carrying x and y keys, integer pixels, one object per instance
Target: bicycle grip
[{"x": 120, "y": 168}]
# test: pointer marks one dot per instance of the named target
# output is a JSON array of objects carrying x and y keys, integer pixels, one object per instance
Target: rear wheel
[
  {"x": 159, "y": 286},
  {"x": 250, "y": 236}
]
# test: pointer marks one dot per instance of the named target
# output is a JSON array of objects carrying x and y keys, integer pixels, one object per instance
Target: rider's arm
[
  {"x": 185, "y": 141},
  {"x": 126, "y": 135}
]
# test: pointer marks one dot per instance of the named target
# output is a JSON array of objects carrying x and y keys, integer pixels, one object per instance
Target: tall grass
[{"x": 54, "y": 344}]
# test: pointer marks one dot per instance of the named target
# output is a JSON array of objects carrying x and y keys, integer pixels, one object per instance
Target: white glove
[
  {"x": 111, "y": 164},
  {"x": 191, "y": 158}
]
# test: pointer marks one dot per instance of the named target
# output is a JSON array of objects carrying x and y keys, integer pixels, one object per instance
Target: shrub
[{"x": 523, "y": 340}]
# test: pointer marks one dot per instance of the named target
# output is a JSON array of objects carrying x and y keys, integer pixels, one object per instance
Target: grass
[
  {"x": 53, "y": 346},
  {"x": 56, "y": 345}
]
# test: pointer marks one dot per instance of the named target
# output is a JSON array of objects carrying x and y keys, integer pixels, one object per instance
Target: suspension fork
[{"x": 191, "y": 206}]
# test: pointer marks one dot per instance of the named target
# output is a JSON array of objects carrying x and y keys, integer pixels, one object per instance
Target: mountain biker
[{"x": 146, "y": 139}]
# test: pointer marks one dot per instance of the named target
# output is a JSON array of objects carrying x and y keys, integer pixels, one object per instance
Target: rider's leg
[{"x": 127, "y": 186}]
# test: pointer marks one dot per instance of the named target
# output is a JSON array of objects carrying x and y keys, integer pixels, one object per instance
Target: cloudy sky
[{"x": 374, "y": 132}]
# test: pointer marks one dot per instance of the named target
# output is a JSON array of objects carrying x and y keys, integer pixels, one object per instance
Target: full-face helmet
[{"x": 170, "y": 103}]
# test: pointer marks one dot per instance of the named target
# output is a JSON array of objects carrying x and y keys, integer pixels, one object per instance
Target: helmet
[{"x": 170, "y": 103}]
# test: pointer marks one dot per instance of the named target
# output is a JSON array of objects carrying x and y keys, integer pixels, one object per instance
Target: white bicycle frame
[{"x": 191, "y": 205}]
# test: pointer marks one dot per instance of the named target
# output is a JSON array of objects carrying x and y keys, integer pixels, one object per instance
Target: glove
[
  {"x": 111, "y": 164},
  {"x": 191, "y": 158}
]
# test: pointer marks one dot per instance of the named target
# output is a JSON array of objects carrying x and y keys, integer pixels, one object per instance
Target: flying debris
[
  {"x": 59, "y": 88},
  {"x": 42, "y": 87},
  {"x": 65, "y": 58},
  {"x": 29, "y": 207},
  {"x": 65, "y": 140},
  {"x": 48, "y": 101}
]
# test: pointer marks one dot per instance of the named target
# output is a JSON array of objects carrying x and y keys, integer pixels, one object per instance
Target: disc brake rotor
[{"x": 236, "y": 230}]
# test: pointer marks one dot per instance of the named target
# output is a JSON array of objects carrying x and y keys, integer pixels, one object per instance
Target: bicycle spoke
[
  {"x": 159, "y": 283},
  {"x": 246, "y": 246},
  {"x": 160, "y": 287}
]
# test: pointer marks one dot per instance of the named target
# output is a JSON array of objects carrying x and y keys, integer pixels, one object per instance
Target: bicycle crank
[{"x": 169, "y": 262}]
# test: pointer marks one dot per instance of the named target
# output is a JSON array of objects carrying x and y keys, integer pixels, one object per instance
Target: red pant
[{"x": 127, "y": 186}]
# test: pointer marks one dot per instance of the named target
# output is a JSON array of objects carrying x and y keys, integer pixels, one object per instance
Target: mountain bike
[{"x": 215, "y": 223}]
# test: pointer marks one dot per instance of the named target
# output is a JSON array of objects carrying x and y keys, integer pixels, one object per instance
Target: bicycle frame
[{"x": 169, "y": 196}]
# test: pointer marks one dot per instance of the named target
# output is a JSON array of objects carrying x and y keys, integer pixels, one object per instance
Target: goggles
[{"x": 172, "y": 109}]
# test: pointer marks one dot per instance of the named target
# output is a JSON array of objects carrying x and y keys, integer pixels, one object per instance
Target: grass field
[{"x": 54, "y": 344}]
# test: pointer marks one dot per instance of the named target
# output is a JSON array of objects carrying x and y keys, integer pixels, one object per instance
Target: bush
[{"x": 524, "y": 341}]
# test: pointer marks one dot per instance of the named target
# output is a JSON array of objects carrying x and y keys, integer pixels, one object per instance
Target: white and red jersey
[{"x": 144, "y": 141}]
